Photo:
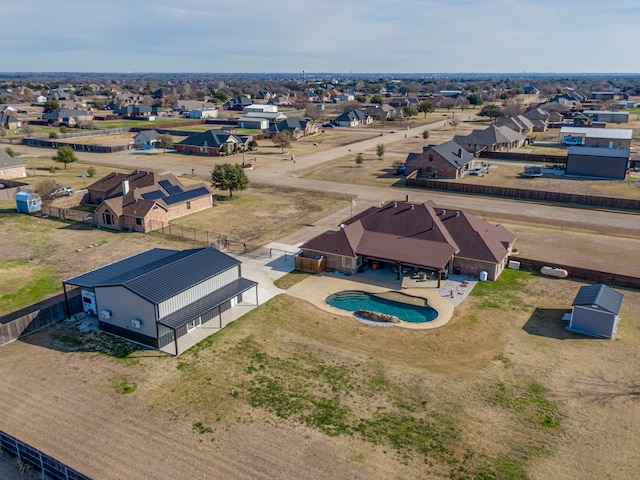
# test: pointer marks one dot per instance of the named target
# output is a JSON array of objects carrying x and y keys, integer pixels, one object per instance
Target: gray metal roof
[
  {"x": 604, "y": 133},
  {"x": 600, "y": 151},
  {"x": 159, "y": 274},
  {"x": 601, "y": 295},
  {"x": 207, "y": 303}
]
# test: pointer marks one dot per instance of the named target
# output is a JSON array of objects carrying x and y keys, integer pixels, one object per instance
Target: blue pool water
[{"x": 352, "y": 300}]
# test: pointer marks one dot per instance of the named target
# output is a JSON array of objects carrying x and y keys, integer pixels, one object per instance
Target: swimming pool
[{"x": 352, "y": 300}]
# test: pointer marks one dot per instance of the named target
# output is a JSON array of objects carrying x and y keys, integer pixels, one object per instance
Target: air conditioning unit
[
  {"x": 105, "y": 314},
  {"x": 136, "y": 323}
]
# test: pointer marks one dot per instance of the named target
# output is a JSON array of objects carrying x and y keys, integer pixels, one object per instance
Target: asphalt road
[{"x": 286, "y": 174}]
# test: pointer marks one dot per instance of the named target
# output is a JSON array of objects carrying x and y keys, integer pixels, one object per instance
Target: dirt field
[{"x": 289, "y": 391}]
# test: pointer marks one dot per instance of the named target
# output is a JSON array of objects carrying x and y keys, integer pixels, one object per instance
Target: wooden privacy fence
[
  {"x": 524, "y": 194},
  {"x": 68, "y": 214},
  {"x": 524, "y": 157},
  {"x": 580, "y": 273},
  {"x": 46, "y": 465},
  {"x": 11, "y": 188},
  {"x": 311, "y": 265},
  {"x": 28, "y": 320}
]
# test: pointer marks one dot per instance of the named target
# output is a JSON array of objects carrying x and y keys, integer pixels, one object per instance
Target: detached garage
[
  {"x": 595, "y": 311},
  {"x": 609, "y": 163}
]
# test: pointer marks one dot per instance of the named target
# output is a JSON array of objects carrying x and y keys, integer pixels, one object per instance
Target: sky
[{"x": 359, "y": 36}]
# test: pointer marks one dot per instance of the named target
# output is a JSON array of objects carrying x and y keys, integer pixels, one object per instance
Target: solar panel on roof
[
  {"x": 173, "y": 189},
  {"x": 154, "y": 195},
  {"x": 188, "y": 195},
  {"x": 165, "y": 184}
]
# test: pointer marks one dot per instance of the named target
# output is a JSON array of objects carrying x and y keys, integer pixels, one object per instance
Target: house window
[
  {"x": 139, "y": 222},
  {"x": 107, "y": 218},
  {"x": 431, "y": 157},
  {"x": 193, "y": 324},
  {"x": 348, "y": 262},
  {"x": 188, "y": 205}
]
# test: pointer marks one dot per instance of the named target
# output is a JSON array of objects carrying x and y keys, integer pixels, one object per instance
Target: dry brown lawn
[{"x": 290, "y": 391}]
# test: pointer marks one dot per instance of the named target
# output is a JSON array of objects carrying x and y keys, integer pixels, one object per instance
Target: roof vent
[
  {"x": 342, "y": 225},
  {"x": 412, "y": 207},
  {"x": 395, "y": 204},
  {"x": 443, "y": 212},
  {"x": 457, "y": 214}
]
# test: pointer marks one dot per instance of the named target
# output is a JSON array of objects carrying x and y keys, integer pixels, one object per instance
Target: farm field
[{"x": 290, "y": 391}]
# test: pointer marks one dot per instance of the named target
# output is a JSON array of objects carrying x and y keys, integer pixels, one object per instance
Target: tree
[
  {"x": 253, "y": 144},
  {"x": 64, "y": 129},
  {"x": 45, "y": 189},
  {"x": 65, "y": 155},
  {"x": 51, "y": 105},
  {"x": 492, "y": 111},
  {"x": 53, "y": 135},
  {"x": 380, "y": 151},
  {"x": 311, "y": 111},
  {"x": 227, "y": 176},
  {"x": 475, "y": 99},
  {"x": 409, "y": 111},
  {"x": 377, "y": 98},
  {"x": 513, "y": 108},
  {"x": 425, "y": 135},
  {"x": 426, "y": 107},
  {"x": 91, "y": 171},
  {"x": 165, "y": 142},
  {"x": 359, "y": 159},
  {"x": 11, "y": 152},
  {"x": 99, "y": 104},
  {"x": 282, "y": 140}
]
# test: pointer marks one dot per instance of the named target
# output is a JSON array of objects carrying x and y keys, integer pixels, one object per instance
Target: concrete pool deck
[{"x": 316, "y": 288}]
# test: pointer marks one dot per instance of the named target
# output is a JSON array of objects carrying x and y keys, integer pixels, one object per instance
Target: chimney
[
  {"x": 125, "y": 187},
  {"x": 407, "y": 198},
  {"x": 460, "y": 152}
]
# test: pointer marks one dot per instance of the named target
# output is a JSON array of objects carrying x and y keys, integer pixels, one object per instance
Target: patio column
[
  {"x": 439, "y": 277},
  {"x": 399, "y": 265}
]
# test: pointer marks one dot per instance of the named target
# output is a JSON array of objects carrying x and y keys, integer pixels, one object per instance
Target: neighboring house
[
  {"x": 210, "y": 143},
  {"x": 135, "y": 111},
  {"x": 380, "y": 113},
  {"x": 421, "y": 236},
  {"x": 237, "y": 103},
  {"x": 606, "y": 96},
  {"x": 530, "y": 90},
  {"x": 600, "y": 137},
  {"x": 257, "y": 123},
  {"x": 541, "y": 118},
  {"x": 273, "y": 117},
  {"x": 189, "y": 105},
  {"x": 260, "y": 108},
  {"x": 568, "y": 100},
  {"x": 67, "y": 117},
  {"x": 520, "y": 124},
  {"x": 606, "y": 116},
  {"x": 165, "y": 299},
  {"x": 201, "y": 113},
  {"x": 447, "y": 160},
  {"x": 596, "y": 311},
  {"x": 9, "y": 121},
  {"x": 598, "y": 162},
  {"x": 298, "y": 127},
  {"x": 40, "y": 99},
  {"x": 492, "y": 139},
  {"x": 143, "y": 201},
  {"x": 353, "y": 118},
  {"x": 146, "y": 139},
  {"x": 400, "y": 102},
  {"x": 11, "y": 167}
]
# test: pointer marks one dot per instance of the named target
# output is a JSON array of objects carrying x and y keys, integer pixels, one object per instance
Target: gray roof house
[
  {"x": 11, "y": 167},
  {"x": 146, "y": 137},
  {"x": 519, "y": 123},
  {"x": 447, "y": 160},
  {"x": 164, "y": 299},
  {"x": 210, "y": 143},
  {"x": 492, "y": 139},
  {"x": 595, "y": 311},
  {"x": 353, "y": 118}
]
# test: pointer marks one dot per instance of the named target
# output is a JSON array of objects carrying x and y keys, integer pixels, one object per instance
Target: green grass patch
[
  {"x": 123, "y": 386},
  {"x": 528, "y": 402},
  {"x": 291, "y": 279},
  {"x": 201, "y": 428},
  {"x": 45, "y": 283},
  {"x": 504, "y": 293},
  {"x": 85, "y": 208}
]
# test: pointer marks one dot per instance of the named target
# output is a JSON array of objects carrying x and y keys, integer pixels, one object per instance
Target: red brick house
[
  {"x": 447, "y": 160},
  {"x": 143, "y": 201},
  {"x": 423, "y": 236},
  {"x": 11, "y": 167}
]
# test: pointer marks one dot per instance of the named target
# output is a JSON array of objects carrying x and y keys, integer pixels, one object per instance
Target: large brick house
[
  {"x": 11, "y": 167},
  {"x": 447, "y": 160},
  {"x": 211, "y": 143},
  {"x": 143, "y": 201},
  {"x": 423, "y": 236}
]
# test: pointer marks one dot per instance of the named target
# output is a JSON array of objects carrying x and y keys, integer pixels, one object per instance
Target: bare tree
[
  {"x": 513, "y": 108},
  {"x": 282, "y": 140}
]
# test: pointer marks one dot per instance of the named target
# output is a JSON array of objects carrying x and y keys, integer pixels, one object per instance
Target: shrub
[
  {"x": 53, "y": 135},
  {"x": 91, "y": 171}
]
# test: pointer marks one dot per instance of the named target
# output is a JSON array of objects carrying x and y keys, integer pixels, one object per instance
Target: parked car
[
  {"x": 328, "y": 125},
  {"x": 476, "y": 173},
  {"x": 63, "y": 192}
]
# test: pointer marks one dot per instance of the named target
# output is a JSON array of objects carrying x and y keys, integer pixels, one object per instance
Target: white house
[
  {"x": 201, "y": 113},
  {"x": 260, "y": 108},
  {"x": 146, "y": 138},
  {"x": 253, "y": 123}
]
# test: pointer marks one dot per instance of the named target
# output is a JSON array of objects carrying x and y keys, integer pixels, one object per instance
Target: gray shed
[{"x": 595, "y": 311}]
